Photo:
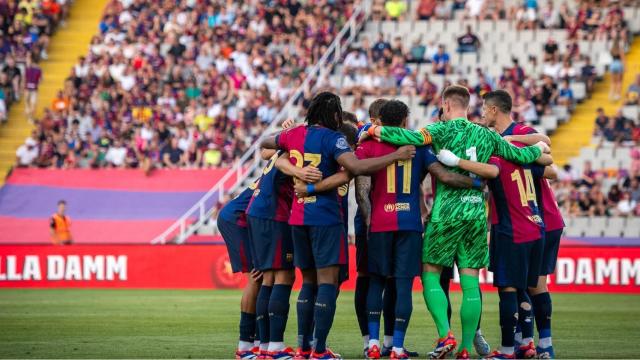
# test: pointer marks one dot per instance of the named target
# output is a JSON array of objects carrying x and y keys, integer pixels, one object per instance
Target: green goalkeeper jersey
[{"x": 468, "y": 141}]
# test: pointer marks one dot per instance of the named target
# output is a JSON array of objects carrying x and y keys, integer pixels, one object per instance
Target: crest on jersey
[
  {"x": 343, "y": 189},
  {"x": 342, "y": 143}
]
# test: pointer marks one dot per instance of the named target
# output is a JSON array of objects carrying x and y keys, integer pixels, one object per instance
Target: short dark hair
[
  {"x": 326, "y": 110},
  {"x": 458, "y": 94},
  {"x": 374, "y": 108},
  {"x": 62, "y": 202},
  {"x": 393, "y": 113},
  {"x": 350, "y": 132},
  {"x": 349, "y": 117},
  {"x": 500, "y": 99}
]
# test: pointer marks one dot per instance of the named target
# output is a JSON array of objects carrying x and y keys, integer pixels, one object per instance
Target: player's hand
[
  {"x": 288, "y": 123},
  {"x": 508, "y": 138},
  {"x": 448, "y": 158},
  {"x": 406, "y": 152},
  {"x": 300, "y": 189},
  {"x": 255, "y": 275},
  {"x": 543, "y": 147},
  {"x": 310, "y": 174}
]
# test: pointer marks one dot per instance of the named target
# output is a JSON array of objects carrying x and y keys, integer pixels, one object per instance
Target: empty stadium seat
[
  {"x": 596, "y": 226},
  {"x": 615, "y": 227},
  {"x": 631, "y": 112}
]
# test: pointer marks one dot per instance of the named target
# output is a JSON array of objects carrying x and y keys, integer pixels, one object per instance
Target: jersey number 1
[
  {"x": 406, "y": 177},
  {"x": 525, "y": 188}
]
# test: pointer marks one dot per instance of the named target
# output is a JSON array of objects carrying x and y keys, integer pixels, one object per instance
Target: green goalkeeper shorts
[{"x": 462, "y": 240}]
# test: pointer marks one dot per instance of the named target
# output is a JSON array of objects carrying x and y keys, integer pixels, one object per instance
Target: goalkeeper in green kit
[{"x": 458, "y": 226}]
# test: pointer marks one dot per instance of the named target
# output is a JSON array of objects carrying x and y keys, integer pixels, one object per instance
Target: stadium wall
[{"x": 593, "y": 269}]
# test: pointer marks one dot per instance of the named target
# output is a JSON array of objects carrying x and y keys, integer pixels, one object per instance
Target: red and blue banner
[
  {"x": 580, "y": 268},
  {"x": 105, "y": 206}
]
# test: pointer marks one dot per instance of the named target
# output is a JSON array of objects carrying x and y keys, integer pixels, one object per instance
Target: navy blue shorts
[
  {"x": 550, "y": 253},
  {"x": 396, "y": 253},
  {"x": 236, "y": 238},
  {"x": 362, "y": 265},
  {"x": 317, "y": 247},
  {"x": 272, "y": 244},
  {"x": 514, "y": 265}
]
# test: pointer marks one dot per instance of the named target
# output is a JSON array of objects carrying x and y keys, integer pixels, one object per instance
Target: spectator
[
  {"x": 473, "y": 8},
  {"x": 27, "y": 153},
  {"x": 602, "y": 121},
  {"x": 468, "y": 42},
  {"x": 633, "y": 93},
  {"x": 588, "y": 74},
  {"x": 550, "y": 50},
  {"x": 441, "y": 61},
  {"x": 550, "y": 16},
  {"x": 588, "y": 175},
  {"x": 395, "y": 9},
  {"x": 428, "y": 92},
  {"x": 626, "y": 206},
  {"x": 60, "y": 225},
  {"x": 417, "y": 52},
  {"x": 565, "y": 95},
  {"x": 616, "y": 68},
  {"x": 444, "y": 10},
  {"x": 116, "y": 155},
  {"x": 33, "y": 76},
  {"x": 426, "y": 9},
  {"x": 171, "y": 154}
]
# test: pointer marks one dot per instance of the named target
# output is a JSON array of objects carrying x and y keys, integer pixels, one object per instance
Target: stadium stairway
[
  {"x": 67, "y": 44},
  {"x": 570, "y": 137}
]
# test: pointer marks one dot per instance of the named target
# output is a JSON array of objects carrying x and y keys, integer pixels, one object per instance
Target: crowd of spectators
[
  {"x": 384, "y": 66},
  {"x": 182, "y": 84},
  {"x": 25, "y": 29},
  {"x": 584, "y": 194}
]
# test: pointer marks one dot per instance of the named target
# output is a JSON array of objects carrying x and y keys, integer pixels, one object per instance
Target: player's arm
[
  {"x": 504, "y": 149},
  {"x": 453, "y": 179},
  {"x": 350, "y": 162},
  {"x": 363, "y": 189},
  {"x": 550, "y": 173},
  {"x": 269, "y": 143},
  {"x": 486, "y": 171},
  {"x": 266, "y": 154},
  {"x": 332, "y": 182},
  {"x": 529, "y": 139},
  {"x": 399, "y": 136},
  {"x": 545, "y": 160},
  {"x": 308, "y": 174}
]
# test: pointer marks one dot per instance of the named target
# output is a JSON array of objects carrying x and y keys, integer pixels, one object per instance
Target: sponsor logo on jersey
[
  {"x": 397, "y": 207},
  {"x": 471, "y": 199},
  {"x": 536, "y": 219}
]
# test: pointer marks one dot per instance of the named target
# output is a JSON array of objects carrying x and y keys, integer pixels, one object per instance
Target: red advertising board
[{"x": 580, "y": 269}]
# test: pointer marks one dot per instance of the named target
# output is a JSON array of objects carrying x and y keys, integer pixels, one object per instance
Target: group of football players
[{"x": 295, "y": 215}]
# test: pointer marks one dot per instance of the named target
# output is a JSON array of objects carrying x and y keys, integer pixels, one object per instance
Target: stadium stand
[
  {"x": 66, "y": 44},
  {"x": 156, "y": 91}
]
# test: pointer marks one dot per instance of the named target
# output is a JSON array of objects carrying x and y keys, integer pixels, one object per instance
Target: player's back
[
  {"x": 319, "y": 147},
  {"x": 234, "y": 210},
  {"x": 272, "y": 197},
  {"x": 464, "y": 138},
  {"x": 514, "y": 209},
  {"x": 395, "y": 190},
  {"x": 550, "y": 212}
]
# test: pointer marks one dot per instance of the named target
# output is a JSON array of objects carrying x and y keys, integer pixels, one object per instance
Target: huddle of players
[{"x": 296, "y": 215}]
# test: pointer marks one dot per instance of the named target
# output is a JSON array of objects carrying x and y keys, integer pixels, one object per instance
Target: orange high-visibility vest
[{"x": 62, "y": 230}]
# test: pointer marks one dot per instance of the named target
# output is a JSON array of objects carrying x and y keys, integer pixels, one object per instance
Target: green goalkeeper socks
[
  {"x": 470, "y": 310},
  {"x": 436, "y": 301}
]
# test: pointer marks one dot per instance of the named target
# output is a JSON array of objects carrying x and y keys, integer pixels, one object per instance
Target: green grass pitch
[{"x": 204, "y": 324}]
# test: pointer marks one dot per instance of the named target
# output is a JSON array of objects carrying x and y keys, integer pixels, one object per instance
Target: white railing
[{"x": 200, "y": 212}]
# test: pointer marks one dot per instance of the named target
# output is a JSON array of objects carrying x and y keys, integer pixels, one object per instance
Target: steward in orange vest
[{"x": 61, "y": 226}]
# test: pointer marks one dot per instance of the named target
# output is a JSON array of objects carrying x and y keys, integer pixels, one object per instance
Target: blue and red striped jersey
[
  {"x": 234, "y": 210},
  {"x": 514, "y": 207},
  {"x": 550, "y": 212},
  {"x": 320, "y": 147},
  {"x": 272, "y": 197},
  {"x": 395, "y": 190}
]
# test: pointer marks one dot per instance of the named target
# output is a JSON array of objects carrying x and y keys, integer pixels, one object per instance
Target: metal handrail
[{"x": 199, "y": 210}]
